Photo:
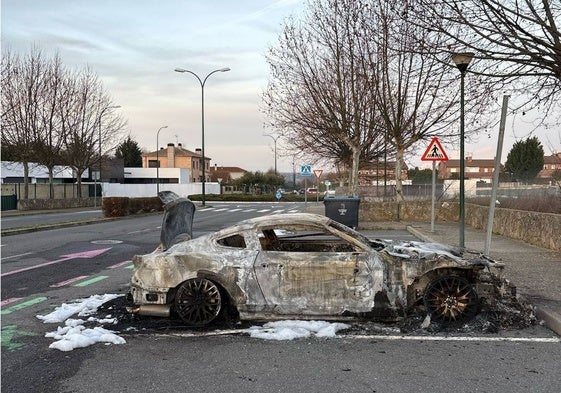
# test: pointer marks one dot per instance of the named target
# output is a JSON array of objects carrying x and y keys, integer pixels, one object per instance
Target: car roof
[{"x": 288, "y": 218}]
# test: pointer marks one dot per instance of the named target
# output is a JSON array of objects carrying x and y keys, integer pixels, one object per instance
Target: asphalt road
[{"x": 43, "y": 267}]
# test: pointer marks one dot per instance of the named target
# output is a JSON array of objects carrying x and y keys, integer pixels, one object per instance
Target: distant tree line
[{"x": 265, "y": 182}]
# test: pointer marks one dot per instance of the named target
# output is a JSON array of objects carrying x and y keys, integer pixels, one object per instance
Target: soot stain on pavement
[{"x": 506, "y": 314}]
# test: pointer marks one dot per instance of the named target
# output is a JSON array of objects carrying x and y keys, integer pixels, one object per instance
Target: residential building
[
  {"x": 177, "y": 157},
  {"x": 551, "y": 164},
  {"x": 225, "y": 173},
  {"x": 376, "y": 173},
  {"x": 477, "y": 169}
]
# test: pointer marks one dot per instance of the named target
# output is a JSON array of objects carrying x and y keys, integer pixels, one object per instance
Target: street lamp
[
  {"x": 462, "y": 61},
  {"x": 158, "y": 160},
  {"x": 202, "y": 83},
  {"x": 274, "y": 138}
]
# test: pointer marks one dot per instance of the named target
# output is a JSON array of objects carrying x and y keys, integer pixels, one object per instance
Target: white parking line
[
  {"x": 235, "y": 210},
  {"x": 249, "y": 210},
  {"x": 382, "y": 337},
  {"x": 458, "y": 338},
  {"x": 15, "y": 256},
  {"x": 263, "y": 210}
]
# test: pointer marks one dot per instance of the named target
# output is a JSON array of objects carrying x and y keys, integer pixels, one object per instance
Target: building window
[{"x": 153, "y": 163}]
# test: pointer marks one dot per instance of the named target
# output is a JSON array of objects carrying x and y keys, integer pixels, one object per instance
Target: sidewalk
[{"x": 536, "y": 272}]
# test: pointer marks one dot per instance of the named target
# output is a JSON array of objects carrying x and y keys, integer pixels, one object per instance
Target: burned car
[{"x": 303, "y": 265}]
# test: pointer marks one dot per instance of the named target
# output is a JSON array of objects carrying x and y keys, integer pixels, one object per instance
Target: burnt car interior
[
  {"x": 302, "y": 240},
  {"x": 235, "y": 241}
]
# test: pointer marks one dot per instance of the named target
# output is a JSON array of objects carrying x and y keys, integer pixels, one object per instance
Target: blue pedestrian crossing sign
[{"x": 306, "y": 170}]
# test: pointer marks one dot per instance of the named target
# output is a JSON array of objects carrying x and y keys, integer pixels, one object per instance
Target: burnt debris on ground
[{"x": 507, "y": 313}]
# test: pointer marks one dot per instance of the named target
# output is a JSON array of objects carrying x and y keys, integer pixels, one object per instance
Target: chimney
[{"x": 171, "y": 155}]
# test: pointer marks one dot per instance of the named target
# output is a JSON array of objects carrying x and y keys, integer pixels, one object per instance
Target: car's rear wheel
[
  {"x": 451, "y": 299},
  {"x": 198, "y": 301}
]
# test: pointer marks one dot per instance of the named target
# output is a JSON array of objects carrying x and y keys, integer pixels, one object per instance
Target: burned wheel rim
[
  {"x": 451, "y": 299},
  {"x": 198, "y": 301}
]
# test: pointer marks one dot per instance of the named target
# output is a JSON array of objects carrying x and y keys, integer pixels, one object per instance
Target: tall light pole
[
  {"x": 274, "y": 138},
  {"x": 158, "y": 160},
  {"x": 202, "y": 83},
  {"x": 462, "y": 61}
]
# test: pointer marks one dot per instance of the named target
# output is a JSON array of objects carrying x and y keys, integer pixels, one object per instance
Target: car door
[{"x": 316, "y": 282}]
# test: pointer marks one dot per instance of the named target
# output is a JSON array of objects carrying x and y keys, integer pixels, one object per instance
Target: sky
[{"x": 134, "y": 47}]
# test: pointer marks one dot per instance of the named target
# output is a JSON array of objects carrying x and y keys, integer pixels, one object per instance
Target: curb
[{"x": 22, "y": 230}]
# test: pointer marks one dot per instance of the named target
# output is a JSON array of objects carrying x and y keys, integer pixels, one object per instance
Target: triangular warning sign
[{"x": 434, "y": 152}]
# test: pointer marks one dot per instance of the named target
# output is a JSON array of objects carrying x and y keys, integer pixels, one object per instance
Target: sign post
[
  {"x": 318, "y": 173},
  {"x": 434, "y": 152},
  {"x": 305, "y": 172}
]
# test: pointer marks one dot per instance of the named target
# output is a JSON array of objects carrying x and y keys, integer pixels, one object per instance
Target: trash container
[{"x": 343, "y": 209}]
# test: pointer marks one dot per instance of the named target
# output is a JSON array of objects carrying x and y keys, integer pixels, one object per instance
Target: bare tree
[
  {"x": 50, "y": 139},
  {"x": 517, "y": 42},
  {"x": 53, "y": 116},
  {"x": 88, "y": 122},
  {"x": 318, "y": 96},
  {"x": 22, "y": 88},
  {"x": 416, "y": 87}
]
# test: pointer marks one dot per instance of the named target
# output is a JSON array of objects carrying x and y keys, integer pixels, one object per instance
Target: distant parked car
[
  {"x": 329, "y": 192},
  {"x": 312, "y": 191},
  {"x": 303, "y": 265}
]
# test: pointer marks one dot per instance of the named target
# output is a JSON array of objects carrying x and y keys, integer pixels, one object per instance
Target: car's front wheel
[
  {"x": 198, "y": 301},
  {"x": 451, "y": 299}
]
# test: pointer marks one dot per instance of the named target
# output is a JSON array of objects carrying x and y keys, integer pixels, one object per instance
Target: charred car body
[{"x": 303, "y": 266}]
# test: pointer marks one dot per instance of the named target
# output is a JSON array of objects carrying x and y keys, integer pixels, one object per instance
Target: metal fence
[{"x": 43, "y": 190}]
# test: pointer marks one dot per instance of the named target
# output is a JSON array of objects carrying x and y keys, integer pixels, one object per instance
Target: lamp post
[
  {"x": 158, "y": 160},
  {"x": 274, "y": 138},
  {"x": 100, "y": 117},
  {"x": 202, "y": 83},
  {"x": 462, "y": 61}
]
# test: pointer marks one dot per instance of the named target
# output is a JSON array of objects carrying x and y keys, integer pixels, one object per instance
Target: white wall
[
  {"x": 452, "y": 188},
  {"x": 182, "y": 174},
  {"x": 37, "y": 171},
  {"x": 150, "y": 190}
]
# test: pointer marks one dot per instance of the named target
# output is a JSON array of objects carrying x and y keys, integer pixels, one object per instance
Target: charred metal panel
[
  {"x": 178, "y": 219},
  {"x": 317, "y": 283}
]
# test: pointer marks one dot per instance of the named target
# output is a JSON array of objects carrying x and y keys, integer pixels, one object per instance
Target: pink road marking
[
  {"x": 119, "y": 264},
  {"x": 85, "y": 254},
  {"x": 8, "y": 301},
  {"x": 63, "y": 283}
]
